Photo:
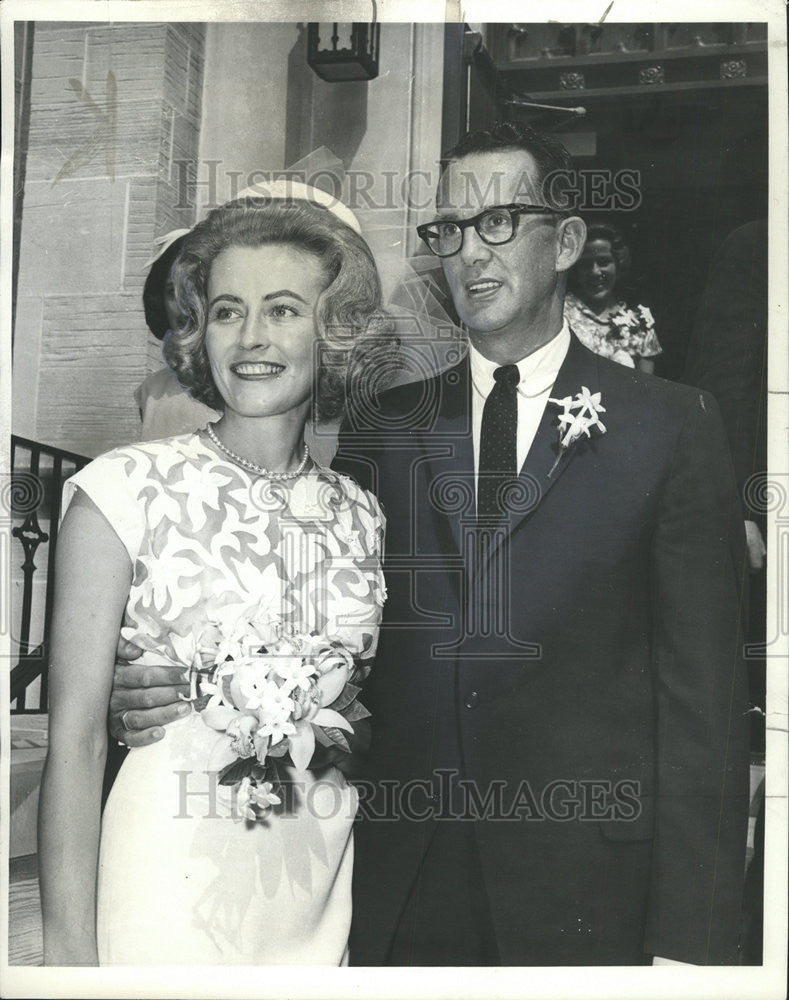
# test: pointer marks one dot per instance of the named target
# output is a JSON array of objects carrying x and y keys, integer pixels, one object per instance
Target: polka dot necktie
[{"x": 498, "y": 441}]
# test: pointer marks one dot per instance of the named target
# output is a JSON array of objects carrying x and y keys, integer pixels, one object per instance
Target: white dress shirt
[{"x": 538, "y": 372}]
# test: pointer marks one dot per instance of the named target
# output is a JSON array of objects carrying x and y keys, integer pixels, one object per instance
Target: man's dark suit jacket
[{"x": 588, "y": 663}]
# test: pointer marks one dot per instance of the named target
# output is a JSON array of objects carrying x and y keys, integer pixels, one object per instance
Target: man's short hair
[{"x": 549, "y": 154}]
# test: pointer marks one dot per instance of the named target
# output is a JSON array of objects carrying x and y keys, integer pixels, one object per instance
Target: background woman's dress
[
  {"x": 600, "y": 333},
  {"x": 183, "y": 880}
]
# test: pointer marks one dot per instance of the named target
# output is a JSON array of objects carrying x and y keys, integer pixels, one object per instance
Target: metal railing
[{"x": 33, "y": 507}]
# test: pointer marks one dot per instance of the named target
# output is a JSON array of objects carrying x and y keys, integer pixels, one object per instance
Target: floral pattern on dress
[
  {"x": 618, "y": 332},
  {"x": 215, "y": 539},
  {"x": 209, "y": 543}
]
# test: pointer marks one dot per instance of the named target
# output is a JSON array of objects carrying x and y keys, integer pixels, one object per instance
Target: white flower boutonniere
[{"x": 579, "y": 416}]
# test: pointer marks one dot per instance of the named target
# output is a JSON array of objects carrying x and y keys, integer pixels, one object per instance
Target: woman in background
[
  {"x": 595, "y": 309},
  {"x": 165, "y": 407}
]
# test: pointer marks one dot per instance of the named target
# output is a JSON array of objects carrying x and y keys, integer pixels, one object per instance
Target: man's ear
[{"x": 570, "y": 239}]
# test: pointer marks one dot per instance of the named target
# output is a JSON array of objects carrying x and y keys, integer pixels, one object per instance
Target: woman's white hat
[
  {"x": 163, "y": 244},
  {"x": 284, "y": 188},
  {"x": 288, "y": 189}
]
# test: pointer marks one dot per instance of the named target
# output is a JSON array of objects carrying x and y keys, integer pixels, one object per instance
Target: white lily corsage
[
  {"x": 579, "y": 416},
  {"x": 277, "y": 694}
]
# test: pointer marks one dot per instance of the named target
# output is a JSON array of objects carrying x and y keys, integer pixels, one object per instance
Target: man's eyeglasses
[{"x": 494, "y": 226}]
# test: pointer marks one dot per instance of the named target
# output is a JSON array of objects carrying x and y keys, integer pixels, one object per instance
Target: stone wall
[
  {"x": 216, "y": 103},
  {"x": 258, "y": 79},
  {"x": 112, "y": 107}
]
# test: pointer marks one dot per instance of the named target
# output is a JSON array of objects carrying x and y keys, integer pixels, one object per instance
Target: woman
[
  {"x": 597, "y": 314},
  {"x": 165, "y": 407},
  {"x": 282, "y": 306}
]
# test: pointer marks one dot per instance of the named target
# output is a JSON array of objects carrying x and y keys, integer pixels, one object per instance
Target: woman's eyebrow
[
  {"x": 223, "y": 296},
  {"x": 266, "y": 298},
  {"x": 284, "y": 291}
]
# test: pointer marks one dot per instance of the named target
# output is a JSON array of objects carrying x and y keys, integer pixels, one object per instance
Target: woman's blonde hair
[{"x": 356, "y": 338}]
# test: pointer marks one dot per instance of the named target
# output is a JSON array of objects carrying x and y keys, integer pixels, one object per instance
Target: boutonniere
[{"x": 579, "y": 416}]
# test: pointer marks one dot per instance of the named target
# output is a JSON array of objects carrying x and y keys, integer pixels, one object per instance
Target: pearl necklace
[{"x": 246, "y": 464}]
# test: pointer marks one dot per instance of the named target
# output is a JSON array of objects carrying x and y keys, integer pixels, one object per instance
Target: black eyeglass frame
[{"x": 515, "y": 210}]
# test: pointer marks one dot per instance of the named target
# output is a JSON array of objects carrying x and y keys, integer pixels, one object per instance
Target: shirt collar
[{"x": 538, "y": 370}]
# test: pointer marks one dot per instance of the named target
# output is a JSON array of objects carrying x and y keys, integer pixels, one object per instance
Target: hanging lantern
[{"x": 339, "y": 52}]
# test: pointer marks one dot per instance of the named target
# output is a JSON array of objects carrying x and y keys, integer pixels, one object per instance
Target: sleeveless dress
[{"x": 184, "y": 878}]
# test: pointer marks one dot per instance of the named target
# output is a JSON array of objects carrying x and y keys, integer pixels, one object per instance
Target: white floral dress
[
  {"x": 183, "y": 880},
  {"x": 619, "y": 333}
]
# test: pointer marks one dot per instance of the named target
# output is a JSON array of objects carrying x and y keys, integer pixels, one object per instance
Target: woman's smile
[
  {"x": 257, "y": 370},
  {"x": 597, "y": 271}
]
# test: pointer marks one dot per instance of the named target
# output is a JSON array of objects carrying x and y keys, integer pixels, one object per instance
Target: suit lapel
[
  {"x": 448, "y": 446},
  {"x": 449, "y": 449},
  {"x": 540, "y": 473}
]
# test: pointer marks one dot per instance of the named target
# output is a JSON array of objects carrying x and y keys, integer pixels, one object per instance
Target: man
[
  {"x": 558, "y": 772},
  {"x": 727, "y": 355}
]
